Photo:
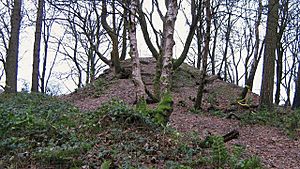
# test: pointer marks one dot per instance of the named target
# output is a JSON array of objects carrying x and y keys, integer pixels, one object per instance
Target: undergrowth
[
  {"x": 221, "y": 157},
  {"x": 35, "y": 126},
  {"x": 44, "y": 131}
]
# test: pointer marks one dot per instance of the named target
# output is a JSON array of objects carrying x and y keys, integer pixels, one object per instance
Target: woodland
[{"x": 189, "y": 108}]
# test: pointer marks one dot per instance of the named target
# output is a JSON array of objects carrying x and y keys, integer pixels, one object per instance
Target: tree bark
[
  {"x": 37, "y": 47},
  {"x": 124, "y": 35},
  {"x": 267, "y": 86},
  {"x": 168, "y": 44},
  {"x": 198, "y": 102},
  {"x": 296, "y": 101},
  {"x": 136, "y": 68},
  {"x": 11, "y": 67}
]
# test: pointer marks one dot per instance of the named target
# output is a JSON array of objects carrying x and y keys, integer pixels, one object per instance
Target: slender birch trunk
[
  {"x": 136, "y": 68},
  {"x": 167, "y": 45}
]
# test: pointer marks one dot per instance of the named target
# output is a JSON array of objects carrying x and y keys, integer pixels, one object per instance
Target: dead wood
[{"x": 234, "y": 134}]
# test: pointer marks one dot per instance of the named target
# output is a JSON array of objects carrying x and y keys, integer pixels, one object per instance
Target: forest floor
[{"x": 272, "y": 144}]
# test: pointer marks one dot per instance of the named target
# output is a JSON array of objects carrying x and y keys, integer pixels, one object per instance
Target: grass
[{"x": 46, "y": 132}]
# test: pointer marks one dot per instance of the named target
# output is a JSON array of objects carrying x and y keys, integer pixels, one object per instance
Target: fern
[
  {"x": 219, "y": 152},
  {"x": 106, "y": 164}
]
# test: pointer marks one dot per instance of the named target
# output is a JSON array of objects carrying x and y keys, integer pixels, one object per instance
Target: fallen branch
[{"x": 234, "y": 134}]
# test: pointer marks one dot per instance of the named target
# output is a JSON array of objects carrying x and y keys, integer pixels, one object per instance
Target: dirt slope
[{"x": 271, "y": 144}]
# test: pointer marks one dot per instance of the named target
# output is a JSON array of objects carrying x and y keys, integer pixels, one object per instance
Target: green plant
[
  {"x": 220, "y": 156},
  {"x": 261, "y": 117},
  {"x": 42, "y": 126},
  {"x": 235, "y": 158},
  {"x": 292, "y": 123},
  {"x": 252, "y": 163},
  {"x": 219, "y": 152},
  {"x": 105, "y": 165},
  {"x": 176, "y": 165},
  {"x": 196, "y": 111}
]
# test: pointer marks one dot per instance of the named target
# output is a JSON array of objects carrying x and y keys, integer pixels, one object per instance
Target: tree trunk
[
  {"x": 213, "y": 53},
  {"x": 296, "y": 101},
  {"x": 168, "y": 44},
  {"x": 136, "y": 68},
  {"x": 267, "y": 86},
  {"x": 199, "y": 35},
  {"x": 44, "y": 68},
  {"x": 11, "y": 67},
  {"x": 37, "y": 46},
  {"x": 278, "y": 72},
  {"x": 198, "y": 102},
  {"x": 124, "y": 35}
]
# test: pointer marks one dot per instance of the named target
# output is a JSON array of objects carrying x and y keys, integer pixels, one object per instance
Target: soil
[{"x": 271, "y": 144}]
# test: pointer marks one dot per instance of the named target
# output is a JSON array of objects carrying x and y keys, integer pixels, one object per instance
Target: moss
[
  {"x": 164, "y": 109},
  {"x": 141, "y": 107}
]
